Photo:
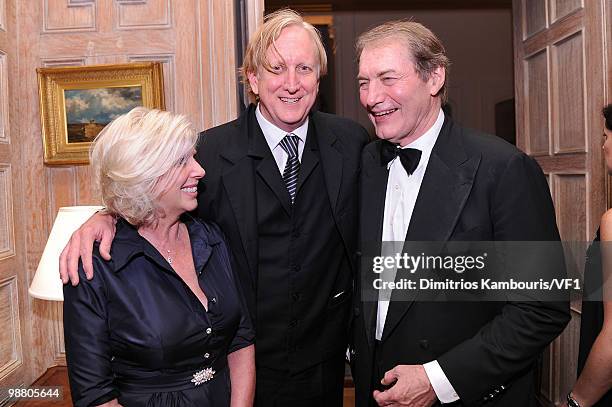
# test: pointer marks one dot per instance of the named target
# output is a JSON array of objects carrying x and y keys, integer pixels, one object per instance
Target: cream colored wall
[{"x": 194, "y": 39}]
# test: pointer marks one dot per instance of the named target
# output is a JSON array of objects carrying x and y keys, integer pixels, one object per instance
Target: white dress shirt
[
  {"x": 401, "y": 196},
  {"x": 274, "y": 135}
]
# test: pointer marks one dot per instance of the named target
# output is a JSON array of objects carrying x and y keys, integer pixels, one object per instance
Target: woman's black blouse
[
  {"x": 592, "y": 317},
  {"x": 137, "y": 332}
]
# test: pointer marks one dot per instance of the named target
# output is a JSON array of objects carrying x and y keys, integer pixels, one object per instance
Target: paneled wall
[
  {"x": 194, "y": 40},
  {"x": 14, "y": 335},
  {"x": 560, "y": 89}
]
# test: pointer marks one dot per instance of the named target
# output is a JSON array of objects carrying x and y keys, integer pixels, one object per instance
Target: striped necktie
[{"x": 290, "y": 175}]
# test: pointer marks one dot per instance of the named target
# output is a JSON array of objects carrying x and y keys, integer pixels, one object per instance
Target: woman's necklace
[
  {"x": 168, "y": 251},
  {"x": 169, "y": 256}
]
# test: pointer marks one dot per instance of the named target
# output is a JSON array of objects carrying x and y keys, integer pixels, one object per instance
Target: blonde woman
[{"x": 163, "y": 323}]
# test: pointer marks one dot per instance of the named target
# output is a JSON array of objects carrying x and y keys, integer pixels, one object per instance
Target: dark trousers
[{"x": 321, "y": 386}]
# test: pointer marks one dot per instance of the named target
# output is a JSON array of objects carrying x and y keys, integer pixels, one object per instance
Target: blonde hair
[
  {"x": 132, "y": 153},
  {"x": 265, "y": 37},
  {"x": 426, "y": 50}
]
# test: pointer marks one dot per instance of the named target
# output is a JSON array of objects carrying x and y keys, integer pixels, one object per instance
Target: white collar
[
  {"x": 426, "y": 142},
  {"x": 273, "y": 134}
]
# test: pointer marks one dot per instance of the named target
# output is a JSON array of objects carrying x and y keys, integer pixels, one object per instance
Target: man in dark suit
[
  {"x": 281, "y": 181},
  {"x": 446, "y": 184},
  {"x": 293, "y": 251}
]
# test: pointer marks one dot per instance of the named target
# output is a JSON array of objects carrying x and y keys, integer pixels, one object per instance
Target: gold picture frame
[{"x": 77, "y": 102}]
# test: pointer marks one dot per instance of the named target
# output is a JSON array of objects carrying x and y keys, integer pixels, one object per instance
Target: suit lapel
[
  {"x": 309, "y": 159},
  {"x": 331, "y": 158},
  {"x": 445, "y": 189},
  {"x": 268, "y": 171},
  {"x": 373, "y": 190}
]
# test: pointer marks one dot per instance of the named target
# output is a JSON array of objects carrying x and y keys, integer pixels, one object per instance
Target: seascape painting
[
  {"x": 89, "y": 110},
  {"x": 77, "y": 102}
]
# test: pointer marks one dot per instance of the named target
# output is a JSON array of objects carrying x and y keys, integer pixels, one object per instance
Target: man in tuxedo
[
  {"x": 281, "y": 181},
  {"x": 429, "y": 180}
]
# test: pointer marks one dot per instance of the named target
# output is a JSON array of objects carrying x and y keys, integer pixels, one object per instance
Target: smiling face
[
  {"x": 288, "y": 92},
  {"x": 401, "y": 105},
  {"x": 180, "y": 187}
]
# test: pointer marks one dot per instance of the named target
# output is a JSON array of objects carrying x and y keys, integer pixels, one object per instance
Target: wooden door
[
  {"x": 560, "y": 84},
  {"x": 13, "y": 281}
]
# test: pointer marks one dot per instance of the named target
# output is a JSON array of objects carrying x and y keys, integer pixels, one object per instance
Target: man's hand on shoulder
[
  {"x": 410, "y": 387},
  {"x": 100, "y": 227}
]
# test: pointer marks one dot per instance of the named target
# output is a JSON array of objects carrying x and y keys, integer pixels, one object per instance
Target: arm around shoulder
[{"x": 100, "y": 227}]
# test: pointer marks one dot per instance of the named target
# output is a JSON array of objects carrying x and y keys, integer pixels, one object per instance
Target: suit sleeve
[
  {"x": 509, "y": 345},
  {"x": 86, "y": 336}
]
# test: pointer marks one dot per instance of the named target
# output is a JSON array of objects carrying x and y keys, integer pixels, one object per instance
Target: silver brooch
[{"x": 203, "y": 376}]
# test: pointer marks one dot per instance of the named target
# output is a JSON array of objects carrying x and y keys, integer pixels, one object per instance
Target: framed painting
[{"x": 77, "y": 102}]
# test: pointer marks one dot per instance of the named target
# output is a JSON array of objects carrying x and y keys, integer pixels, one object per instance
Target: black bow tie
[{"x": 408, "y": 156}]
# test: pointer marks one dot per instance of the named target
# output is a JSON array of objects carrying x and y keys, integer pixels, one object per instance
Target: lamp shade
[{"x": 46, "y": 284}]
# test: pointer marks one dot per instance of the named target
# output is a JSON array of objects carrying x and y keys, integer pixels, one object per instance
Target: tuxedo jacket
[
  {"x": 476, "y": 188},
  {"x": 236, "y": 157}
]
